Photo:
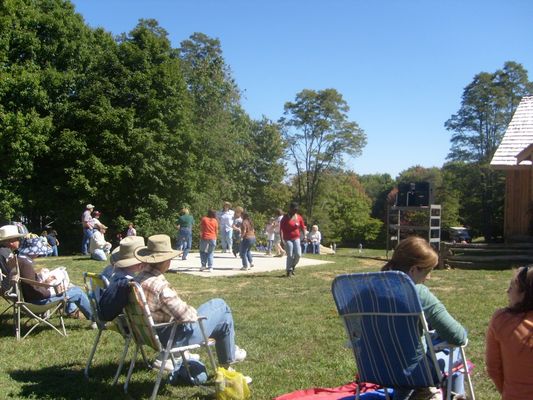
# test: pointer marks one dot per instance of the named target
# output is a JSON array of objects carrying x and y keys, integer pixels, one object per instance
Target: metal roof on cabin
[{"x": 518, "y": 136}]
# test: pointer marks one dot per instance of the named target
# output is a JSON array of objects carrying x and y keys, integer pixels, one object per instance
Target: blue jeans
[
  {"x": 226, "y": 239},
  {"x": 87, "y": 234},
  {"x": 246, "y": 251},
  {"x": 218, "y": 325},
  {"x": 99, "y": 255},
  {"x": 316, "y": 248},
  {"x": 270, "y": 246},
  {"x": 185, "y": 241},
  {"x": 207, "y": 248},
  {"x": 76, "y": 299},
  {"x": 294, "y": 251},
  {"x": 458, "y": 379},
  {"x": 54, "y": 251}
]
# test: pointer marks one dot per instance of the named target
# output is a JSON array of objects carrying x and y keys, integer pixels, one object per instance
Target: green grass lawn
[{"x": 289, "y": 328}]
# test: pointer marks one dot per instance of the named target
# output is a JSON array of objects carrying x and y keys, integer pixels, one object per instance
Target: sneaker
[
  {"x": 203, "y": 268},
  {"x": 251, "y": 266},
  {"x": 168, "y": 364},
  {"x": 192, "y": 356},
  {"x": 240, "y": 354},
  {"x": 93, "y": 325},
  {"x": 210, "y": 269}
]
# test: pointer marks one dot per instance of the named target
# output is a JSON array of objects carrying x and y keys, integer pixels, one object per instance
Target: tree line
[{"x": 140, "y": 129}]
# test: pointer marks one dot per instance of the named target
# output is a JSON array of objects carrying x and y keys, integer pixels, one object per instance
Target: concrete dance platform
[{"x": 225, "y": 264}]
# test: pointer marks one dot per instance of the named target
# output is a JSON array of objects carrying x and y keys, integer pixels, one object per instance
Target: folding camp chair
[
  {"x": 94, "y": 285},
  {"x": 7, "y": 291},
  {"x": 37, "y": 313},
  {"x": 143, "y": 328},
  {"x": 388, "y": 333}
]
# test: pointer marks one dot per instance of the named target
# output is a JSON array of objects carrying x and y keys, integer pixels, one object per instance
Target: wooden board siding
[{"x": 518, "y": 201}]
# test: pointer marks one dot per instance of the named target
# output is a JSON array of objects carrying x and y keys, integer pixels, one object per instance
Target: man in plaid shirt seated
[{"x": 165, "y": 304}]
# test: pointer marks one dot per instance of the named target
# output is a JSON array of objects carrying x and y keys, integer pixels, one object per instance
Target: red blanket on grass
[{"x": 344, "y": 392}]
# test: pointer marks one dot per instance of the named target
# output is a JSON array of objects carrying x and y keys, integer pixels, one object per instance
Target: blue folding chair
[{"x": 388, "y": 333}]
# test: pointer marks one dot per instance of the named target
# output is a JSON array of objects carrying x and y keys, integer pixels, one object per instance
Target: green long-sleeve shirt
[{"x": 439, "y": 319}]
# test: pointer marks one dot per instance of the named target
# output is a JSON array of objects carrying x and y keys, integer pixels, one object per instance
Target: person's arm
[
  {"x": 173, "y": 305},
  {"x": 439, "y": 319},
  {"x": 493, "y": 356},
  {"x": 302, "y": 224}
]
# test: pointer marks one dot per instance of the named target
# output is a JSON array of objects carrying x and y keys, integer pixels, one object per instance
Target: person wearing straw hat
[
  {"x": 77, "y": 299},
  {"x": 124, "y": 266},
  {"x": 165, "y": 304},
  {"x": 88, "y": 225}
]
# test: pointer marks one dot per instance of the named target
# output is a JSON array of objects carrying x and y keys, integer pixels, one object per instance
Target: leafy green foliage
[
  {"x": 343, "y": 210},
  {"x": 318, "y": 135}
]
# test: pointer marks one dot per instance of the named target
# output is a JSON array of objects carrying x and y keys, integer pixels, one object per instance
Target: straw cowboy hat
[
  {"x": 124, "y": 255},
  {"x": 157, "y": 250},
  {"x": 8, "y": 232}
]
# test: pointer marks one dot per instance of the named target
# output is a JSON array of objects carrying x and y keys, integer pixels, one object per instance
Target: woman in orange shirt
[
  {"x": 208, "y": 239},
  {"x": 509, "y": 351}
]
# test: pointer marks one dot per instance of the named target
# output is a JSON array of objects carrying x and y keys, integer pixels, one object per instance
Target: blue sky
[{"x": 400, "y": 65}]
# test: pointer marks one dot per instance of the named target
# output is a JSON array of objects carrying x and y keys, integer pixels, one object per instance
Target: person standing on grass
[
  {"x": 415, "y": 257},
  {"x": 247, "y": 241},
  {"x": 208, "y": 239},
  {"x": 291, "y": 225},
  {"x": 88, "y": 224},
  {"x": 53, "y": 242},
  {"x": 509, "y": 341},
  {"x": 184, "y": 224}
]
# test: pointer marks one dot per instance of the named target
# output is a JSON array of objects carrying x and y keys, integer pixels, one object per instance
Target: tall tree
[
  {"x": 319, "y": 136},
  {"x": 217, "y": 116},
  {"x": 343, "y": 210},
  {"x": 487, "y": 106}
]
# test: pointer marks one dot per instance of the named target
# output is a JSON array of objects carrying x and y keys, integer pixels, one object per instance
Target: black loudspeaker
[{"x": 414, "y": 194}]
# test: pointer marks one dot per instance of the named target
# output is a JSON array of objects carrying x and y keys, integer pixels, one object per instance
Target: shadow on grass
[
  {"x": 66, "y": 381},
  {"x": 7, "y": 325}
]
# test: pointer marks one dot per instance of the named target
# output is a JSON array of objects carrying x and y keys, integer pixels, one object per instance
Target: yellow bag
[{"x": 231, "y": 385}]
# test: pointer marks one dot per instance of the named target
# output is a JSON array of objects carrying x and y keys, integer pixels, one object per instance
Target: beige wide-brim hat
[
  {"x": 8, "y": 232},
  {"x": 157, "y": 250},
  {"x": 124, "y": 255}
]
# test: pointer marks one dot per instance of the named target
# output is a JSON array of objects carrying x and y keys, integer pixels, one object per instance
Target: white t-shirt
[{"x": 225, "y": 219}]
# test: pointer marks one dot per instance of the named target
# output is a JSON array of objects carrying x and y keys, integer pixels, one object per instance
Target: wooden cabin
[{"x": 514, "y": 156}]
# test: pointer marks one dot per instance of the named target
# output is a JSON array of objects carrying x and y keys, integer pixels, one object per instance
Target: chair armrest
[
  {"x": 46, "y": 285},
  {"x": 163, "y": 324},
  {"x": 37, "y": 283}
]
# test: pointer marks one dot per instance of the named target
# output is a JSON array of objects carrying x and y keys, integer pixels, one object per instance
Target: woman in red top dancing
[{"x": 290, "y": 226}]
